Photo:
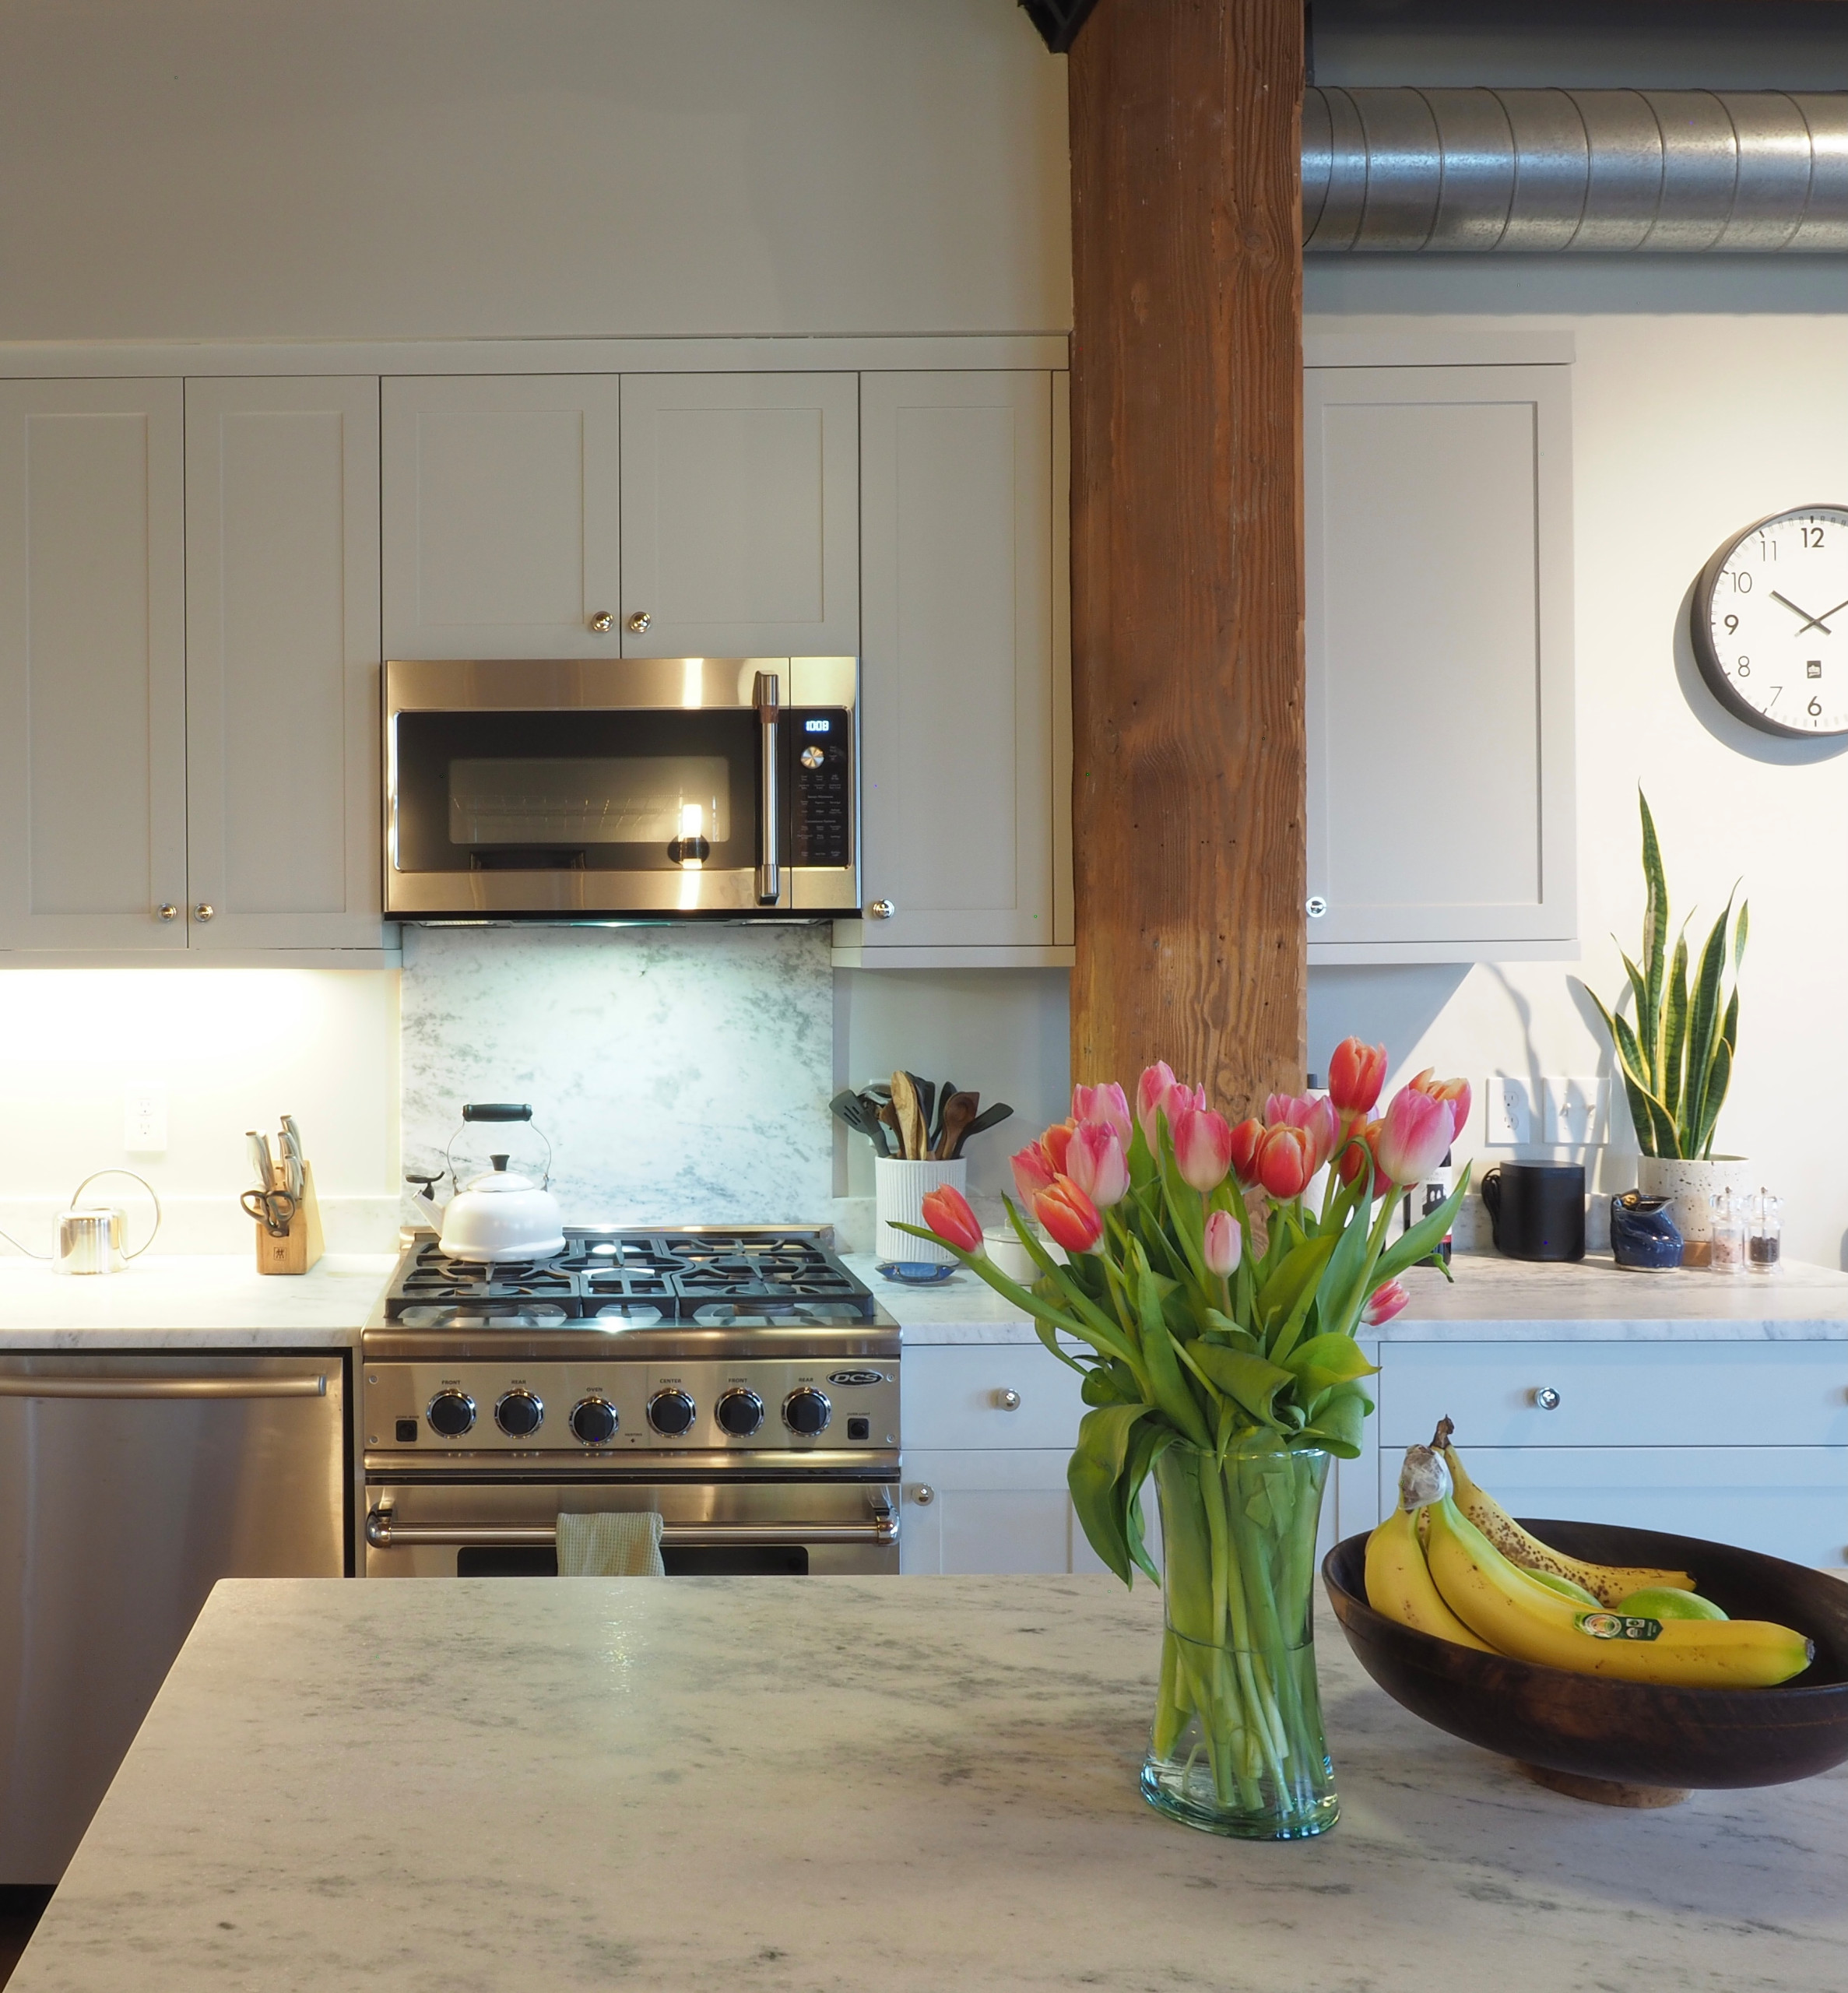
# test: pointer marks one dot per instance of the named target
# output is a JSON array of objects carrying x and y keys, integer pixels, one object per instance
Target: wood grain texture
[{"x": 1189, "y": 753}]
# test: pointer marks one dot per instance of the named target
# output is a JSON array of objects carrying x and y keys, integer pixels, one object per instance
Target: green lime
[
  {"x": 1565, "y": 1587},
  {"x": 1667, "y": 1602}
]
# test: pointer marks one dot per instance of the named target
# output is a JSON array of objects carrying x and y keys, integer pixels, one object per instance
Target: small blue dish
[
  {"x": 1643, "y": 1236},
  {"x": 917, "y": 1273}
]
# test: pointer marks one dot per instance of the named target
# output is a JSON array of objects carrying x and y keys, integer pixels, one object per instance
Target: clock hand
[
  {"x": 1821, "y": 622},
  {"x": 1810, "y": 622}
]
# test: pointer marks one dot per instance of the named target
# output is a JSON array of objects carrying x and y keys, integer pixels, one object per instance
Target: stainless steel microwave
[{"x": 644, "y": 787}]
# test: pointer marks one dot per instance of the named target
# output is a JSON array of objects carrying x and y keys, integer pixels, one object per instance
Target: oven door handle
[
  {"x": 383, "y": 1533},
  {"x": 768, "y": 701}
]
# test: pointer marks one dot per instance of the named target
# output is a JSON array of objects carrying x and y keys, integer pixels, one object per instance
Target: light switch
[
  {"x": 144, "y": 1120},
  {"x": 1509, "y": 1110},
  {"x": 1577, "y": 1110}
]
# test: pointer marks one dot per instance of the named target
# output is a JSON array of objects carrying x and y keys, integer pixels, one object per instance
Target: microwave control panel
[{"x": 820, "y": 755}]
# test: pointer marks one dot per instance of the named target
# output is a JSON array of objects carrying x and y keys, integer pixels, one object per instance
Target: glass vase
[{"x": 1237, "y": 1745}]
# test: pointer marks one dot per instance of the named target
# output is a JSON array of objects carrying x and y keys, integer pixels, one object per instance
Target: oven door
[
  {"x": 500, "y": 1527},
  {"x": 645, "y": 786}
]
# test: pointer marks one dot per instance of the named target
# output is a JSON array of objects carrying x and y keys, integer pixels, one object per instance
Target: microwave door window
[{"x": 679, "y": 805}]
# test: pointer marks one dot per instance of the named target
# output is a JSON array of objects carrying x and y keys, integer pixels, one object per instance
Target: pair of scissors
[{"x": 274, "y": 1210}]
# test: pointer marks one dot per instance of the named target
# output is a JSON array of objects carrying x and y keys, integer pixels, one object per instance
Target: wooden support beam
[{"x": 1188, "y": 792}]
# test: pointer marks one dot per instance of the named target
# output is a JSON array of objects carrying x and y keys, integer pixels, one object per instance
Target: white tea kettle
[{"x": 500, "y": 1215}]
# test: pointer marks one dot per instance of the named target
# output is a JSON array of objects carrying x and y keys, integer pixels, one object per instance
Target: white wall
[{"x": 185, "y": 169}]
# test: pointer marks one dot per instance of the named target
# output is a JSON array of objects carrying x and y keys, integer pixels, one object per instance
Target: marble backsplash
[{"x": 681, "y": 1073}]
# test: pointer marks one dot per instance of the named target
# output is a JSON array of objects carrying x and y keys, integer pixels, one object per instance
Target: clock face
[{"x": 1770, "y": 622}]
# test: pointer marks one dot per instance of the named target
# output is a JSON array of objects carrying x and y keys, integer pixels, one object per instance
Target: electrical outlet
[
  {"x": 1510, "y": 1111},
  {"x": 144, "y": 1121},
  {"x": 1577, "y": 1110}
]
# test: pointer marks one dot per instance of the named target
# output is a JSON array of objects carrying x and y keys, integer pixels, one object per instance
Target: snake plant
[{"x": 1676, "y": 1060}]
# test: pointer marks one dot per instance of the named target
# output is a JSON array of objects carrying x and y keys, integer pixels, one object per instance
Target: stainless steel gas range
[{"x": 740, "y": 1381}]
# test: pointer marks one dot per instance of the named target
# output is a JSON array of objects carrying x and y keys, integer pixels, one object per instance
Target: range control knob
[
  {"x": 807, "y": 1411},
  {"x": 518, "y": 1414},
  {"x": 671, "y": 1412},
  {"x": 594, "y": 1421},
  {"x": 740, "y": 1412},
  {"x": 452, "y": 1413}
]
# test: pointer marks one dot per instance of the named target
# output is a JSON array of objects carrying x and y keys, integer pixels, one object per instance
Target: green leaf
[
  {"x": 1167, "y": 1386},
  {"x": 1423, "y": 1239},
  {"x": 1108, "y": 1384},
  {"x": 1669, "y": 1080},
  {"x": 1150, "y": 1441},
  {"x": 1655, "y": 944},
  {"x": 1252, "y": 1382},
  {"x": 1654, "y": 1126},
  {"x": 1702, "y": 1030},
  {"x": 1739, "y": 934},
  {"x": 1221, "y": 1329},
  {"x": 1338, "y": 1298},
  {"x": 1340, "y": 1423},
  {"x": 1095, "y": 1467},
  {"x": 1294, "y": 1276},
  {"x": 1327, "y": 1360},
  {"x": 1716, "y": 1086}
]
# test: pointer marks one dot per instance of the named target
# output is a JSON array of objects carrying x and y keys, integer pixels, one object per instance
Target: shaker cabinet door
[
  {"x": 978, "y": 1512},
  {"x": 961, "y": 726},
  {"x": 92, "y": 665},
  {"x": 1438, "y": 514},
  {"x": 740, "y": 515},
  {"x": 283, "y": 644},
  {"x": 500, "y": 501}
]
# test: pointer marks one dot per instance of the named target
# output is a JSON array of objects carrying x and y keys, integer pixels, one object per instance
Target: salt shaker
[
  {"x": 1729, "y": 1234},
  {"x": 1765, "y": 1233}
]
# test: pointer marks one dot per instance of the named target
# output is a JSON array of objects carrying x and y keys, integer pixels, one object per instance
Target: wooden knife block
[{"x": 304, "y": 1245}]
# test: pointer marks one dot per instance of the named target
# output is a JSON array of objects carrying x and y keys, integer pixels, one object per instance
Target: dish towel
[{"x": 613, "y": 1544}]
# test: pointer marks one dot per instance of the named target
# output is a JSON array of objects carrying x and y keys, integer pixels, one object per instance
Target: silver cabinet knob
[
  {"x": 601, "y": 621},
  {"x": 1547, "y": 1398},
  {"x": 1315, "y": 906},
  {"x": 1008, "y": 1400},
  {"x": 170, "y": 912},
  {"x": 204, "y": 911},
  {"x": 923, "y": 1495},
  {"x": 882, "y": 909},
  {"x": 640, "y": 621}
]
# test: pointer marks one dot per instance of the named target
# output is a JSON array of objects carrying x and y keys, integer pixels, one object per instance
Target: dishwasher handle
[{"x": 163, "y": 1387}]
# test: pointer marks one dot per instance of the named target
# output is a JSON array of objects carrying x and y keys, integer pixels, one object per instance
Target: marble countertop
[
  {"x": 181, "y": 1301},
  {"x": 830, "y": 1783},
  {"x": 1491, "y": 1300}
]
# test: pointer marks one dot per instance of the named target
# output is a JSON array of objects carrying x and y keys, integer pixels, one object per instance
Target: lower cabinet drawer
[
  {"x": 1615, "y": 1394},
  {"x": 972, "y": 1512},
  {"x": 988, "y": 1394},
  {"x": 1789, "y": 1502}
]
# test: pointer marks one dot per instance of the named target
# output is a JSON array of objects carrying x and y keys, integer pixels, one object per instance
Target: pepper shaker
[{"x": 1765, "y": 1233}]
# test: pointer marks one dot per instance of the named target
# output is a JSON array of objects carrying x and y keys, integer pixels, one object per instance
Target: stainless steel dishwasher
[{"x": 129, "y": 1485}]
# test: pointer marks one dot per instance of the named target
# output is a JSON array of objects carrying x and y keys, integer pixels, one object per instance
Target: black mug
[{"x": 1536, "y": 1209}]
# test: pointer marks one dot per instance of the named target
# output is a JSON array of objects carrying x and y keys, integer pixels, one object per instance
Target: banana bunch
[{"x": 1460, "y": 1587}]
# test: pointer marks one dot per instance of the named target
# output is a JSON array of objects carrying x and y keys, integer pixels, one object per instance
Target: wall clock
[{"x": 1770, "y": 622}]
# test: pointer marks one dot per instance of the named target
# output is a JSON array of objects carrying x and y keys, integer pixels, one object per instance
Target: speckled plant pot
[{"x": 1691, "y": 1187}]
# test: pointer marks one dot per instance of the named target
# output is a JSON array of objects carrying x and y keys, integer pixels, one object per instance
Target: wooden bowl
[{"x": 1628, "y": 1734}]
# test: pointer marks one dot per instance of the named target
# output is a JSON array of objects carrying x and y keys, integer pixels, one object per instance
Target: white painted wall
[{"x": 300, "y": 169}]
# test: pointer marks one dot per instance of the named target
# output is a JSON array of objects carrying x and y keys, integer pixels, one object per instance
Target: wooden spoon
[
  {"x": 959, "y": 1111},
  {"x": 911, "y": 1121},
  {"x": 989, "y": 1118}
]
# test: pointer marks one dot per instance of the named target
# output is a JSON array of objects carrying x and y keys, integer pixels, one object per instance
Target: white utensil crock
[{"x": 901, "y": 1188}]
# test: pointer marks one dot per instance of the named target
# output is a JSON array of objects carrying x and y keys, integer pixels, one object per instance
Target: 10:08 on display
[{"x": 1770, "y": 622}]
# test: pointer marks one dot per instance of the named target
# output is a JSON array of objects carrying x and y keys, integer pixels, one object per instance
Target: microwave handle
[{"x": 768, "y": 701}]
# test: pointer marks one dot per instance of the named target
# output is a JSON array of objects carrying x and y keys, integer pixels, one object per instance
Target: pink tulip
[
  {"x": 1314, "y": 1113},
  {"x": 1033, "y": 1171},
  {"x": 1105, "y": 1105},
  {"x": 1203, "y": 1147},
  {"x": 1384, "y": 1303},
  {"x": 1223, "y": 1244},
  {"x": 1414, "y": 1137},
  {"x": 1287, "y": 1161},
  {"x": 1055, "y": 1141},
  {"x": 1356, "y": 1073},
  {"x": 947, "y": 1212},
  {"x": 1357, "y": 1154},
  {"x": 1096, "y": 1163},
  {"x": 1151, "y": 1090},
  {"x": 1070, "y": 1216},
  {"x": 1247, "y": 1138},
  {"x": 1454, "y": 1093}
]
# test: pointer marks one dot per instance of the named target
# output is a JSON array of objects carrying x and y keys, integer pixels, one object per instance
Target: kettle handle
[{"x": 497, "y": 1110}]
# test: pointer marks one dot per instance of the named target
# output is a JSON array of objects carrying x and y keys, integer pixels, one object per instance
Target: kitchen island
[{"x": 841, "y": 1783}]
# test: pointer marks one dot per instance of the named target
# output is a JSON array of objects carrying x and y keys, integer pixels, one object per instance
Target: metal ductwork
[{"x": 1619, "y": 171}]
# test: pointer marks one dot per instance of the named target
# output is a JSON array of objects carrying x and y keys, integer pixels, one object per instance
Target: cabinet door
[
  {"x": 281, "y": 638},
  {"x": 974, "y": 1512},
  {"x": 958, "y": 716},
  {"x": 500, "y": 502},
  {"x": 1439, "y": 544},
  {"x": 92, "y": 665},
  {"x": 740, "y": 514}
]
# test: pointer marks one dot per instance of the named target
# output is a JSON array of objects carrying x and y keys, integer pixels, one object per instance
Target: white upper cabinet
[
  {"x": 964, "y": 735},
  {"x": 282, "y": 654},
  {"x": 740, "y": 515},
  {"x": 1438, "y": 506},
  {"x": 92, "y": 665},
  {"x": 502, "y": 499}
]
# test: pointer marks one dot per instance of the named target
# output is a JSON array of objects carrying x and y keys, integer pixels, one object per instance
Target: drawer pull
[
  {"x": 1547, "y": 1398},
  {"x": 1008, "y": 1400},
  {"x": 923, "y": 1495}
]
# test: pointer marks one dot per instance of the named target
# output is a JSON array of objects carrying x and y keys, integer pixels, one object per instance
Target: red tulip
[
  {"x": 1384, "y": 1303},
  {"x": 1096, "y": 1163},
  {"x": 1070, "y": 1216},
  {"x": 1223, "y": 1244},
  {"x": 1033, "y": 1171},
  {"x": 1287, "y": 1161},
  {"x": 1104, "y": 1104},
  {"x": 1357, "y": 1155},
  {"x": 1247, "y": 1138},
  {"x": 1151, "y": 1090},
  {"x": 946, "y": 1212},
  {"x": 1316, "y": 1113},
  {"x": 1455, "y": 1093},
  {"x": 1055, "y": 1141},
  {"x": 1356, "y": 1073},
  {"x": 1203, "y": 1147},
  {"x": 1414, "y": 1137}
]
